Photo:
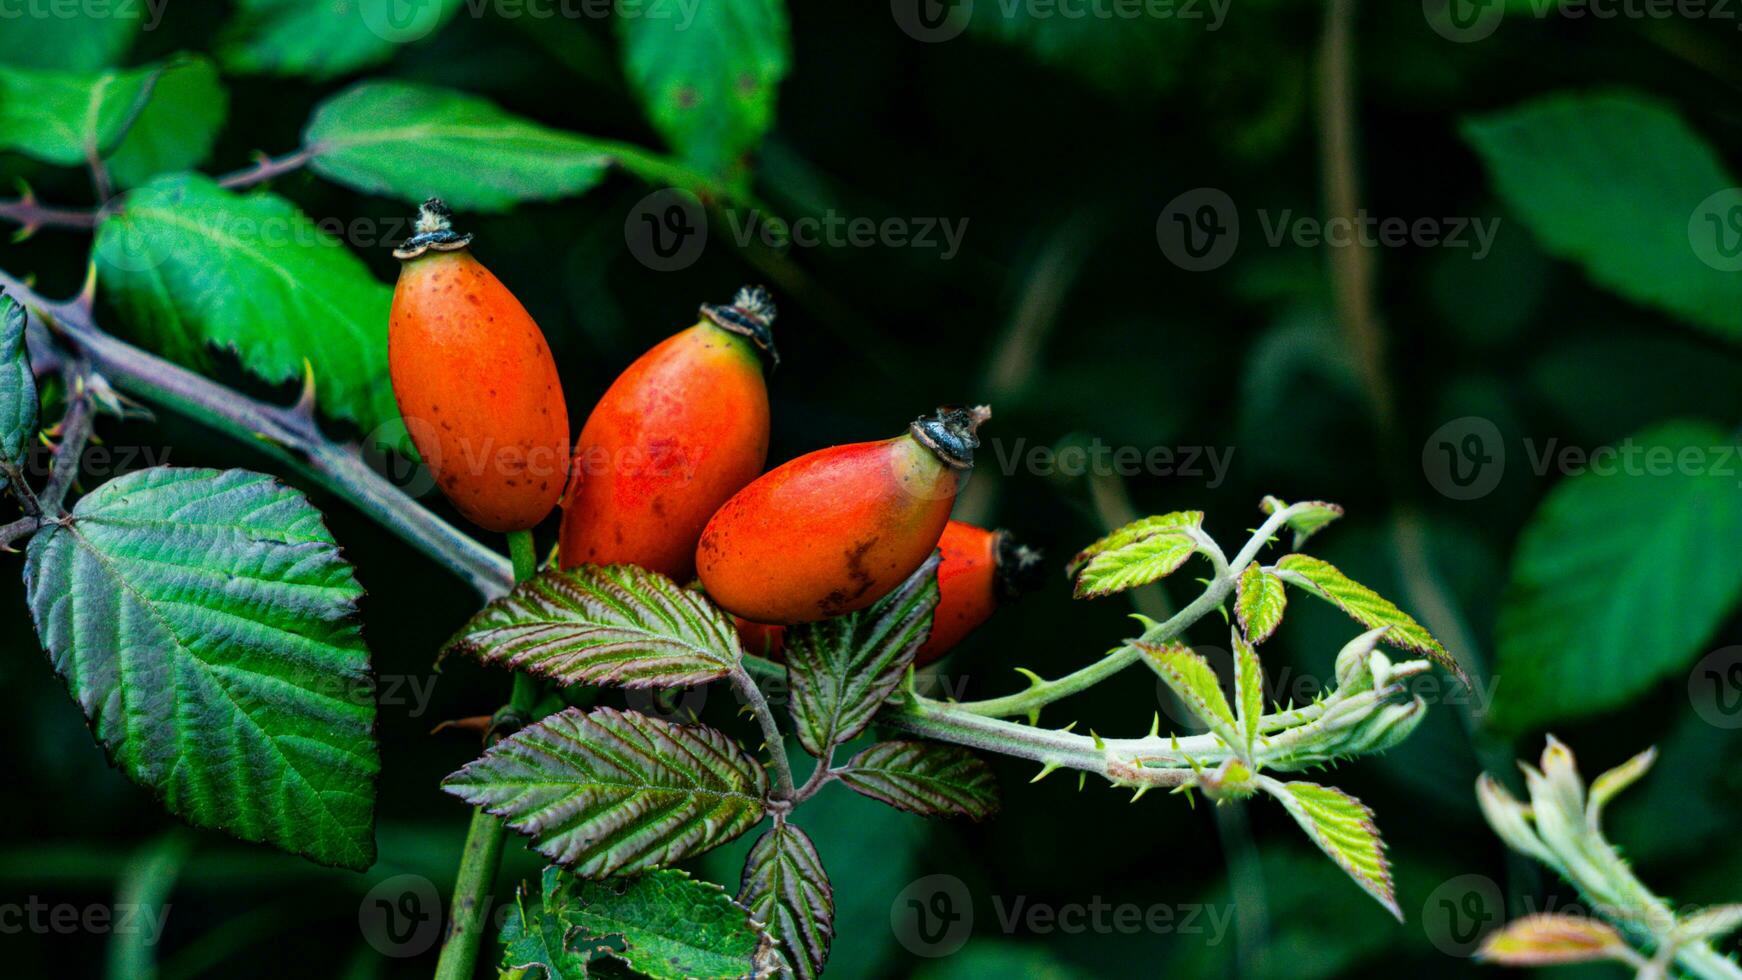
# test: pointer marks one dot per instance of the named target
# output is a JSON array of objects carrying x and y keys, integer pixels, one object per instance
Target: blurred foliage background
[{"x": 1595, "y": 604}]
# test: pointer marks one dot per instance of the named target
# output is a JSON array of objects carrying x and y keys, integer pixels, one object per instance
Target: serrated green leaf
[
  {"x": 1193, "y": 681},
  {"x": 205, "y": 622},
  {"x": 671, "y": 926},
  {"x": 615, "y": 624},
  {"x": 787, "y": 890},
  {"x": 1133, "y": 565},
  {"x": 1248, "y": 689},
  {"x": 708, "y": 80},
  {"x": 931, "y": 779},
  {"x": 414, "y": 141},
  {"x": 189, "y": 264},
  {"x": 535, "y": 942},
  {"x": 1343, "y": 828},
  {"x": 1548, "y": 939},
  {"x": 842, "y": 669},
  {"x": 85, "y": 41},
  {"x": 1620, "y": 579},
  {"x": 1260, "y": 603},
  {"x": 1134, "y": 532},
  {"x": 18, "y": 402},
  {"x": 1363, "y": 605},
  {"x": 323, "y": 39},
  {"x": 59, "y": 117},
  {"x": 1312, "y": 517},
  {"x": 176, "y": 128},
  {"x": 612, "y": 792},
  {"x": 1615, "y": 181}
]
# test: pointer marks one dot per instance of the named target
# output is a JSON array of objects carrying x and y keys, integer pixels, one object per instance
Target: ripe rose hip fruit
[
  {"x": 677, "y": 434},
  {"x": 475, "y": 381},
  {"x": 838, "y": 529},
  {"x": 980, "y": 571}
]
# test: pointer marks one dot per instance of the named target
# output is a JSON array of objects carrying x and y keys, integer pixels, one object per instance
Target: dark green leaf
[
  {"x": 17, "y": 388},
  {"x": 83, "y": 42},
  {"x": 205, "y": 622},
  {"x": 787, "y": 890},
  {"x": 610, "y": 792},
  {"x": 189, "y": 264},
  {"x": 1620, "y": 578},
  {"x": 534, "y": 941},
  {"x": 671, "y": 926},
  {"x": 928, "y": 778},
  {"x": 616, "y": 624},
  {"x": 842, "y": 669},
  {"x": 177, "y": 127},
  {"x": 59, "y": 117},
  {"x": 322, "y": 39}
]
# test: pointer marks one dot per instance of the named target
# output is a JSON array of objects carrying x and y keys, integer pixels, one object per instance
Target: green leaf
[
  {"x": 786, "y": 889},
  {"x": 1124, "y": 57},
  {"x": 413, "y": 141},
  {"x": 1137, "y": 554},
  {"x": 708, "y": 76},
  {"x": 928, "y": 778},
  {"x": 1711, "y": 922},
  {"x": 842, "y": 669},
  {"x": 59, "y": 117},
  {"x": 535, "y": 942},
  {"x": 1617, "y": 182},
  {"x": 84, "y": 42},
  {"x": 616, "y": 624},
  {"x": 1193, "y": 681},
  {"x": 1621, "y": 578},
  {"x": 1549, "y": 939},
  {"x": 611, "y": 792},
  {"x": 1343, "y": 828},
  {"x": 1260, "y": 603},
  {"x": 18, "y": 403},
  {"x": 205, "y": 622},
  {"x": 1135, "y": 532},
  {"x": 323, "y": 39},
  {"x": 1248, "y": 689},
  {"x": 188, "y": 264},
  {"x": 1312, "y": 517},
  {"x": 176, "y": 129},
  {"x": 1363, "y": 605},
  {"x": 672, "y": 926}
]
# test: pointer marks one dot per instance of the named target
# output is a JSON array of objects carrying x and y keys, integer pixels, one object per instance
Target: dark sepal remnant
[
  {"x": 435, "y": 231},
  {"x": 750, "y": 315},
  {"x": 950, "y": 433}
]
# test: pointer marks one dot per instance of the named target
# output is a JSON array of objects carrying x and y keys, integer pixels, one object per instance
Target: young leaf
[
  {"x": 617, "y": 624},
  {"x": 1134, "y": 532},
  {"x": 611, "y": 792},
  {"x": 1364, "y": 606},
  {"x": 1620, "y": 580},
  {"x": 383, "y": 137},
  {"x": 177, "y": 127},
  {"x": 1308, "y": 521},
  {"x": 842, "y": 669},
  {"x": 1260, "y": 603},
  {"x": 188, "y": 264},
  {"x": 535, "y": 942},
  {"x": 928, "y": 778},
  {"x": 1547, "y": 939},
  {"x": 205, "y": 622},
  {"x": 786, "y": 889},
  {"x": 58, "y": 117},
  {"x": 18, "y": 404},
  {"x": 1193, "y": 681},
  {"x": 85, "y": 42},
  {"x": 1343, "y": 828},
  {"x": 671, "y": 926},
  {"x": 1248, "y": 689},
  {"x": 1712, "y": 922},
  {"x": 708, "y": 79},
  {"x": 1139, "y": 563},
  {"x": 323, "y": 39},
  {"x": 1615, "y": 182}
]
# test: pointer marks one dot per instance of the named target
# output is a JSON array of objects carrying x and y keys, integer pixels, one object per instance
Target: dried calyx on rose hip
[
  {"x": 678, "y": 433},
  {"x": 836, "y": 530},
  {"x": 979, "y": 572},
  {"x": 475, "y": 381}
]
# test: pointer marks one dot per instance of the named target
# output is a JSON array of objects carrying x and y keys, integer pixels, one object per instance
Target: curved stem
[
  {"x": 266, "y": 168},
  {"x": 783, "y": 785}
]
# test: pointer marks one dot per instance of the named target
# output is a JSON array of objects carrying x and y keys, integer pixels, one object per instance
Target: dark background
[{"x": 1062, "y": 310}]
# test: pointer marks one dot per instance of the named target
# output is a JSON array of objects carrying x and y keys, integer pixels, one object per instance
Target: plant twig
[
  {"x": 28, "y": 212},
  {"x": 24, "y": 527},
  {"x": 266, "y": 168},
  {"x": 75, "y": 433},
  {"x": 783, "y": 784}
]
